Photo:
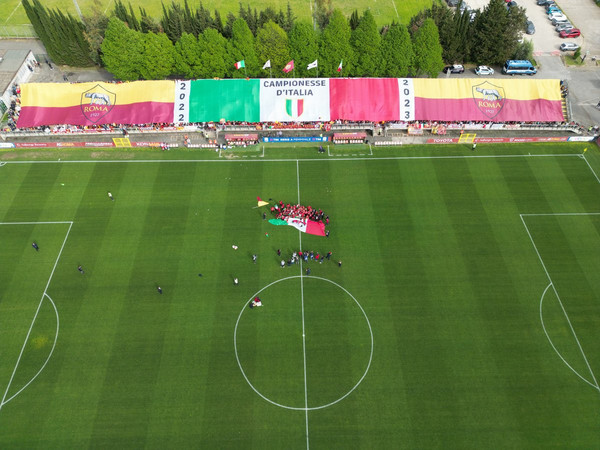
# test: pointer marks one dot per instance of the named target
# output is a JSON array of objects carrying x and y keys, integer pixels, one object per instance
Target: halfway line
[{"x": 303, "y": 329}]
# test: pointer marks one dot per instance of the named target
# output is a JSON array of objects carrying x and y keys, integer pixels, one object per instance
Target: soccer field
[
  {"x": 384, "y": 11},
  {"x": 465, "y": 314}
]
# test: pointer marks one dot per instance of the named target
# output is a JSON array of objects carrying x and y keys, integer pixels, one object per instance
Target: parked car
[
  {"x": 564, "y": 26},
  {"x": 569, "y": 46},
  {"x": 555, "y": 21},
  {"x": 572, "y": 33},
  {"x": 484, "y": 70},
  {"x": 552, "y": 8},
  {"x": 556, "y": 15},
  {"x": 545, "y": 2},
  {"x": 455, "y": 68},
  {"x": 530, "y": 28},
  {"x": 452, "y": 2},
  {"x": 511, "y": 4}
]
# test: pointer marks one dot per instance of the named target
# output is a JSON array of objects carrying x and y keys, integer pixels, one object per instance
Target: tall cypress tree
[{"x": 366, "y": 43}]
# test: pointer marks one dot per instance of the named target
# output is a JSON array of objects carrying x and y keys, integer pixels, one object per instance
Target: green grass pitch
[
  {"x": 466, "y": 312},
  {"x": 385, "y": 11}
]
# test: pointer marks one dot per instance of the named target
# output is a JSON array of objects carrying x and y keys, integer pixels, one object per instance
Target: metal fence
[{"x": 17, "y": 31}]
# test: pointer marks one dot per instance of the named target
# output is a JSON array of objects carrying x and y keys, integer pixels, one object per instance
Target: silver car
[
  {"x": 564, "y": 26},
  {"x": 569, "y": 46}
]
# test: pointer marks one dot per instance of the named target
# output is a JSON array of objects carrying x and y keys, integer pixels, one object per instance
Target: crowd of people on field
[{"x": 284, "y": 211}]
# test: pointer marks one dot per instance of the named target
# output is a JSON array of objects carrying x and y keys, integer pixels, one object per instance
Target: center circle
[{"x": 286, "y": 323}]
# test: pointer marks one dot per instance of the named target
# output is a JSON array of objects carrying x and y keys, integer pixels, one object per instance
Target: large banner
[
  {"x": 96, "y": 103},
  {"x": 488, "y": 100},
  {"x": 224, "y": 100},
  {"x": 293, "y": 100}
]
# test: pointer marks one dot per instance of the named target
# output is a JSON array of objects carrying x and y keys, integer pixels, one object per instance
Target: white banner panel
[
  {"x": 407, "y": 99},
  {"x": 294, "y": 100}
]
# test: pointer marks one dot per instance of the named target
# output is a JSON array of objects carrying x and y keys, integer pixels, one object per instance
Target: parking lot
[{"x": 583, "y": 14}]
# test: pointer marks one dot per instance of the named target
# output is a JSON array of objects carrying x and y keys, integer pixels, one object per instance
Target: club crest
[
  {"x": 97, "y": 102},
  {"x": 489, "y": 98}
]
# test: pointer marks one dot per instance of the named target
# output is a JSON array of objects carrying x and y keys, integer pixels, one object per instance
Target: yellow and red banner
[
  {"x": 293, "y": 99},
  {"x": 494, "y": 99},
  {"x": 96, "y": 103}
]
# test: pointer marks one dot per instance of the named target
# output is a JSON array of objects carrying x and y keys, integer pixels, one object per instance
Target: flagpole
[{"x": 317, "y": 71}]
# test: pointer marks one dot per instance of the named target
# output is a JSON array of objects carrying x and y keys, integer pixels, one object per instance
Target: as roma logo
[
  {"x": 489, "y": 98},
  {"x": 97, "y": 102}
]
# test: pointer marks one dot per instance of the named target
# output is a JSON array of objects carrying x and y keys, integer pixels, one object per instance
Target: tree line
[{"x": 193, "y": 43}]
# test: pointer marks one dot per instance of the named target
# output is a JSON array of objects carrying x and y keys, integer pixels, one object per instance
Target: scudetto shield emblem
[
  {"x": 294, "y": 107},
  {"x": 489, "y": 98},
  {"x": 97, "y": 102}
]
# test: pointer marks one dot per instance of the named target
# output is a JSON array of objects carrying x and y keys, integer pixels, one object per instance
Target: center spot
[{"x": 337, "y": 342}]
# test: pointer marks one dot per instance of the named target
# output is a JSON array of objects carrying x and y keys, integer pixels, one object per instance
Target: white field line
[
  {"x": 552, "y": 343},
  {"x": 107, "y": 6},
  {"x": 385, "y": 158},
  {"x": 370, "y": 150},
  {"x": 562, "y": 214},
  {"x": 394, "y": 3},
  {"x": 586, "y": 161},
  {"x": 47, "y": 359},
  {"x": 560, "y": 302},
  {"x": 11, "y": 14},
  {"x": 303, "y": 329},
  {"x": 35, "y": 316}
]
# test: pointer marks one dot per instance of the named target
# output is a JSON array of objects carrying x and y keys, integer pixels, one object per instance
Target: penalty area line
[
  {"x": 560, "y": 303},
  {"x": 4, "y": 401}
]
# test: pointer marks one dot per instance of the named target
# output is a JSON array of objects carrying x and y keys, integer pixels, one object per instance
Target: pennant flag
[
  {"x": 261, "y": 202},
  {"x": 305, "y": 226},
  {"x": 240, "y": 64},
  {"x": 339, "y": 69},
  {"x": 312, "y": 65},
  {"x": 267, "y": 65},
  {"x": 289, "y": 66}
]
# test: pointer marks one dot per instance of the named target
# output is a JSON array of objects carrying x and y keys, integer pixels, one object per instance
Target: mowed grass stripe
[
  {"x": 337, "y": 334},
  {"x": 398, "y": 293},
  {"x": 445, "y": 377},
  {"x": 133, "y": 366},
  {"x": 243, "y": 226},
  {"x": 178, "y": 399}
]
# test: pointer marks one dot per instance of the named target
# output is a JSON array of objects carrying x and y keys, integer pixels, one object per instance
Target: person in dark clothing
[
  {"x": 264, "y": 216},
  {"x": 159, "y": 289},
  {"x": 34, "y": 245},
  {"x": 80, "y": 269},
  {"x": 327, "y": 233},
  {"x": 278, "y": 252},
  {"x": 254, "y": 258},
  {"x": 339, "y": 263},
  {"x": 328, "y": 255},
  {"x": 308, "y": 271}
]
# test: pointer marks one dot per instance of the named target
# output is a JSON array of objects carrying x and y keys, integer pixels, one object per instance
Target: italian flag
[
  {"x": 305, "y": 225},
  {"x": 240, "y": 64}
]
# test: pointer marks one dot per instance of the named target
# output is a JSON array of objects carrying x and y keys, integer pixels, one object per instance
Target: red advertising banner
[{"x": 498, "y": 140}]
